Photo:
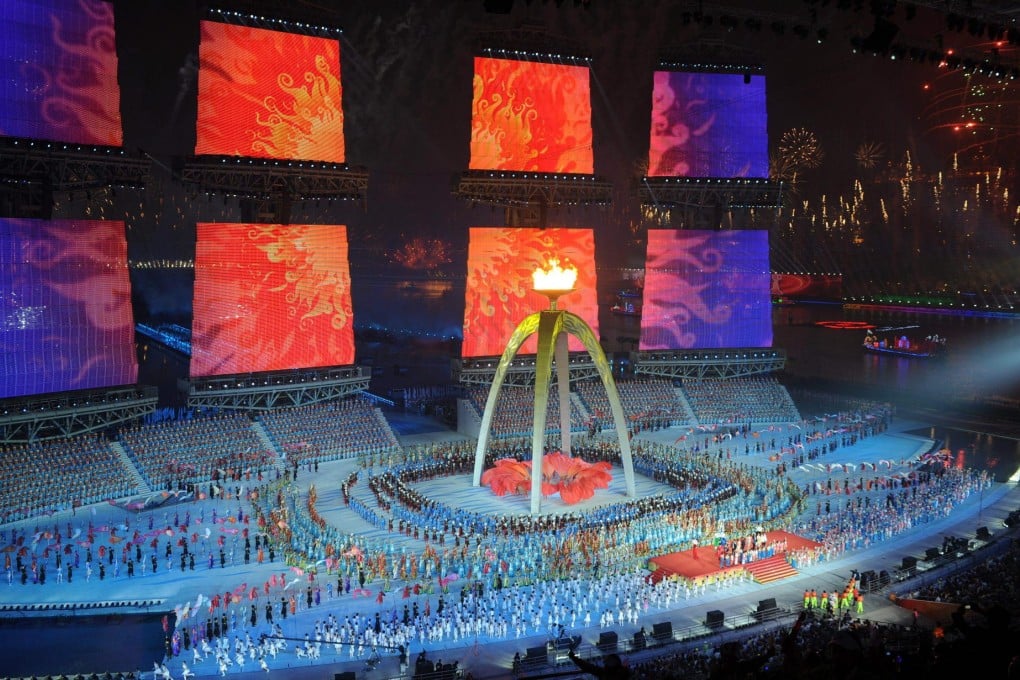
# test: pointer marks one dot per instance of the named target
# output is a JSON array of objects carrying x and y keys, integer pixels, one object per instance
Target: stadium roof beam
[
  {"x": 715, "y": 54},
  {"x": 282, "y": 389},
  {"x": 67, "y": 414},
  {"x": 530, "y": 41},
  {"x": 699, "y": 364},
  {"x": 276, "y": 15},
  {"x": 979, "y": 9}
]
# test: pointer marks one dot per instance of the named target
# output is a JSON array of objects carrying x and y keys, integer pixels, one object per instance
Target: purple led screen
[
  {"x": 58, "y": 71},
  {"x": 706, "y": 290},
  {"x": 708, "y": 125},
  {"x": 65, "y": 306}
]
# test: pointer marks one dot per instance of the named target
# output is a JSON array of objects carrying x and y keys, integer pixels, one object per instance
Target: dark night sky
[{"x": 406, "y": 71}]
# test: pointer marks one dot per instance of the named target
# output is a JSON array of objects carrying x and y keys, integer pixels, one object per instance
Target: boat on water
[
  {"x": 628, "y": 303},
  {"x": 929, "y": 347},
  {"x": 626, "y": 308}
]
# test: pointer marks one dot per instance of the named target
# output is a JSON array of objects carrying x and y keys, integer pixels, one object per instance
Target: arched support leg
[
  {"x": 563, "y": 390},
  {"x": 552, "y": 327},
  {"x": 524, "y": 330},
  {"x": 577, "y": 327},
  {"x": 549, "y": 329}
]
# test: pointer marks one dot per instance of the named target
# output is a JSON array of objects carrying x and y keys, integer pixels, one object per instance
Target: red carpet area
[{"x": 702, "y": 563}]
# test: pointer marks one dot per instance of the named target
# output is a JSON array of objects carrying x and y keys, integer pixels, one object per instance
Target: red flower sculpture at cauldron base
[{"x": 573, "y": 479}]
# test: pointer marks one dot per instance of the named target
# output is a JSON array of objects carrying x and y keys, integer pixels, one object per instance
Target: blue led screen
[
  {"x": 65, "y": 307},
  {"x": 706, "y": 289},
  {"x": 708, "y": 125},
  {"x": 58, "y": 72}
]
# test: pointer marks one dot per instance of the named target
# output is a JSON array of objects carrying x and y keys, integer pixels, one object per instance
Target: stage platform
[
  {"x": 457, "y": 491},
  {"x": 702, "y": 563}
]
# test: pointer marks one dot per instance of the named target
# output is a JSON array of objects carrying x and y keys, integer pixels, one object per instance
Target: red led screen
[
  {"x": 530, "y": 117},
  {"x": 499, "y": 291},
  {"x": 58, "y": 71},
  {"x": 271, "y": 297},
  {"x": 269, "y": 94}
]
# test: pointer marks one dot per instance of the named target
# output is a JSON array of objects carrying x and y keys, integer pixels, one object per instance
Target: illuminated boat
[
  {"x": 628, "y": 303},
  {"x": 930, "y": 347}
]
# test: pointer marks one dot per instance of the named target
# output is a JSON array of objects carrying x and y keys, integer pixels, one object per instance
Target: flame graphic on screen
[
  {"x": 271, "y": 297},
  {"x": 269, "y": 94},
  {"x": 499, "y": 289},
  {"x": 708, "y": 125},
  {"x": 529, "y": 116},
  {"x": 503, "y": 128},
  {"x": 316, "y": 281},
  {"x": 306, "y": 118}
]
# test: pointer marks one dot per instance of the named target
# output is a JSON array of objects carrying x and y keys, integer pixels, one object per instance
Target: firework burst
[
  {"x": 422, "y": 254},
  {"x": 869, "y": 154},
  {"x": 781, "y": 169},
  {"x": 799, "y": 148}
]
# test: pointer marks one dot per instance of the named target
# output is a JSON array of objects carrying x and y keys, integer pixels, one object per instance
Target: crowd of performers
[
  {"x": 529, "y": 548},
  {"x": 492, "y": 576},
  {"x": 90, "y": 468},
  {"x": 749, "y": 548},
  {"x": 850, "y": 599}
]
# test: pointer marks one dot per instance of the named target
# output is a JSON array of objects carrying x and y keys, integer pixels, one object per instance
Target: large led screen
[
  {"x": 499, "y": 292},
  {"x": 270, "y": 297},
  {"x": 708, "y": 125},
  {"x": 65, "y": 307},
  {"x": 58, "y": 71},
  {"x": 706, "y": 289},
  {"x": 530, "y": 117},
  {"x": 268, "y": 94}
]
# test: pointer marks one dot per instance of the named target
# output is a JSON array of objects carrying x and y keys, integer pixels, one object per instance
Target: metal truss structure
[
  {"x": 67, "y": 414},
  {"x": 714, "y": 53},
  {"x": 694, "y": 364},
  {"x": 31, "y": 170},
  {"x": 281, "y": 389},
  {"x": 983, "y": 9},
  {"x": 710, "y": 193},
  {"x": 520, "y": 372},
  {"x": 698, "y": 364},
  {"x": 533, "y": 41},
  {"x": 516, "y": 189},
  {"x": 272, "y": 181}
]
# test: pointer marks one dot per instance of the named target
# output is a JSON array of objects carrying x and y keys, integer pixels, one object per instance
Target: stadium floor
[{"x": 485, "y": 658}]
